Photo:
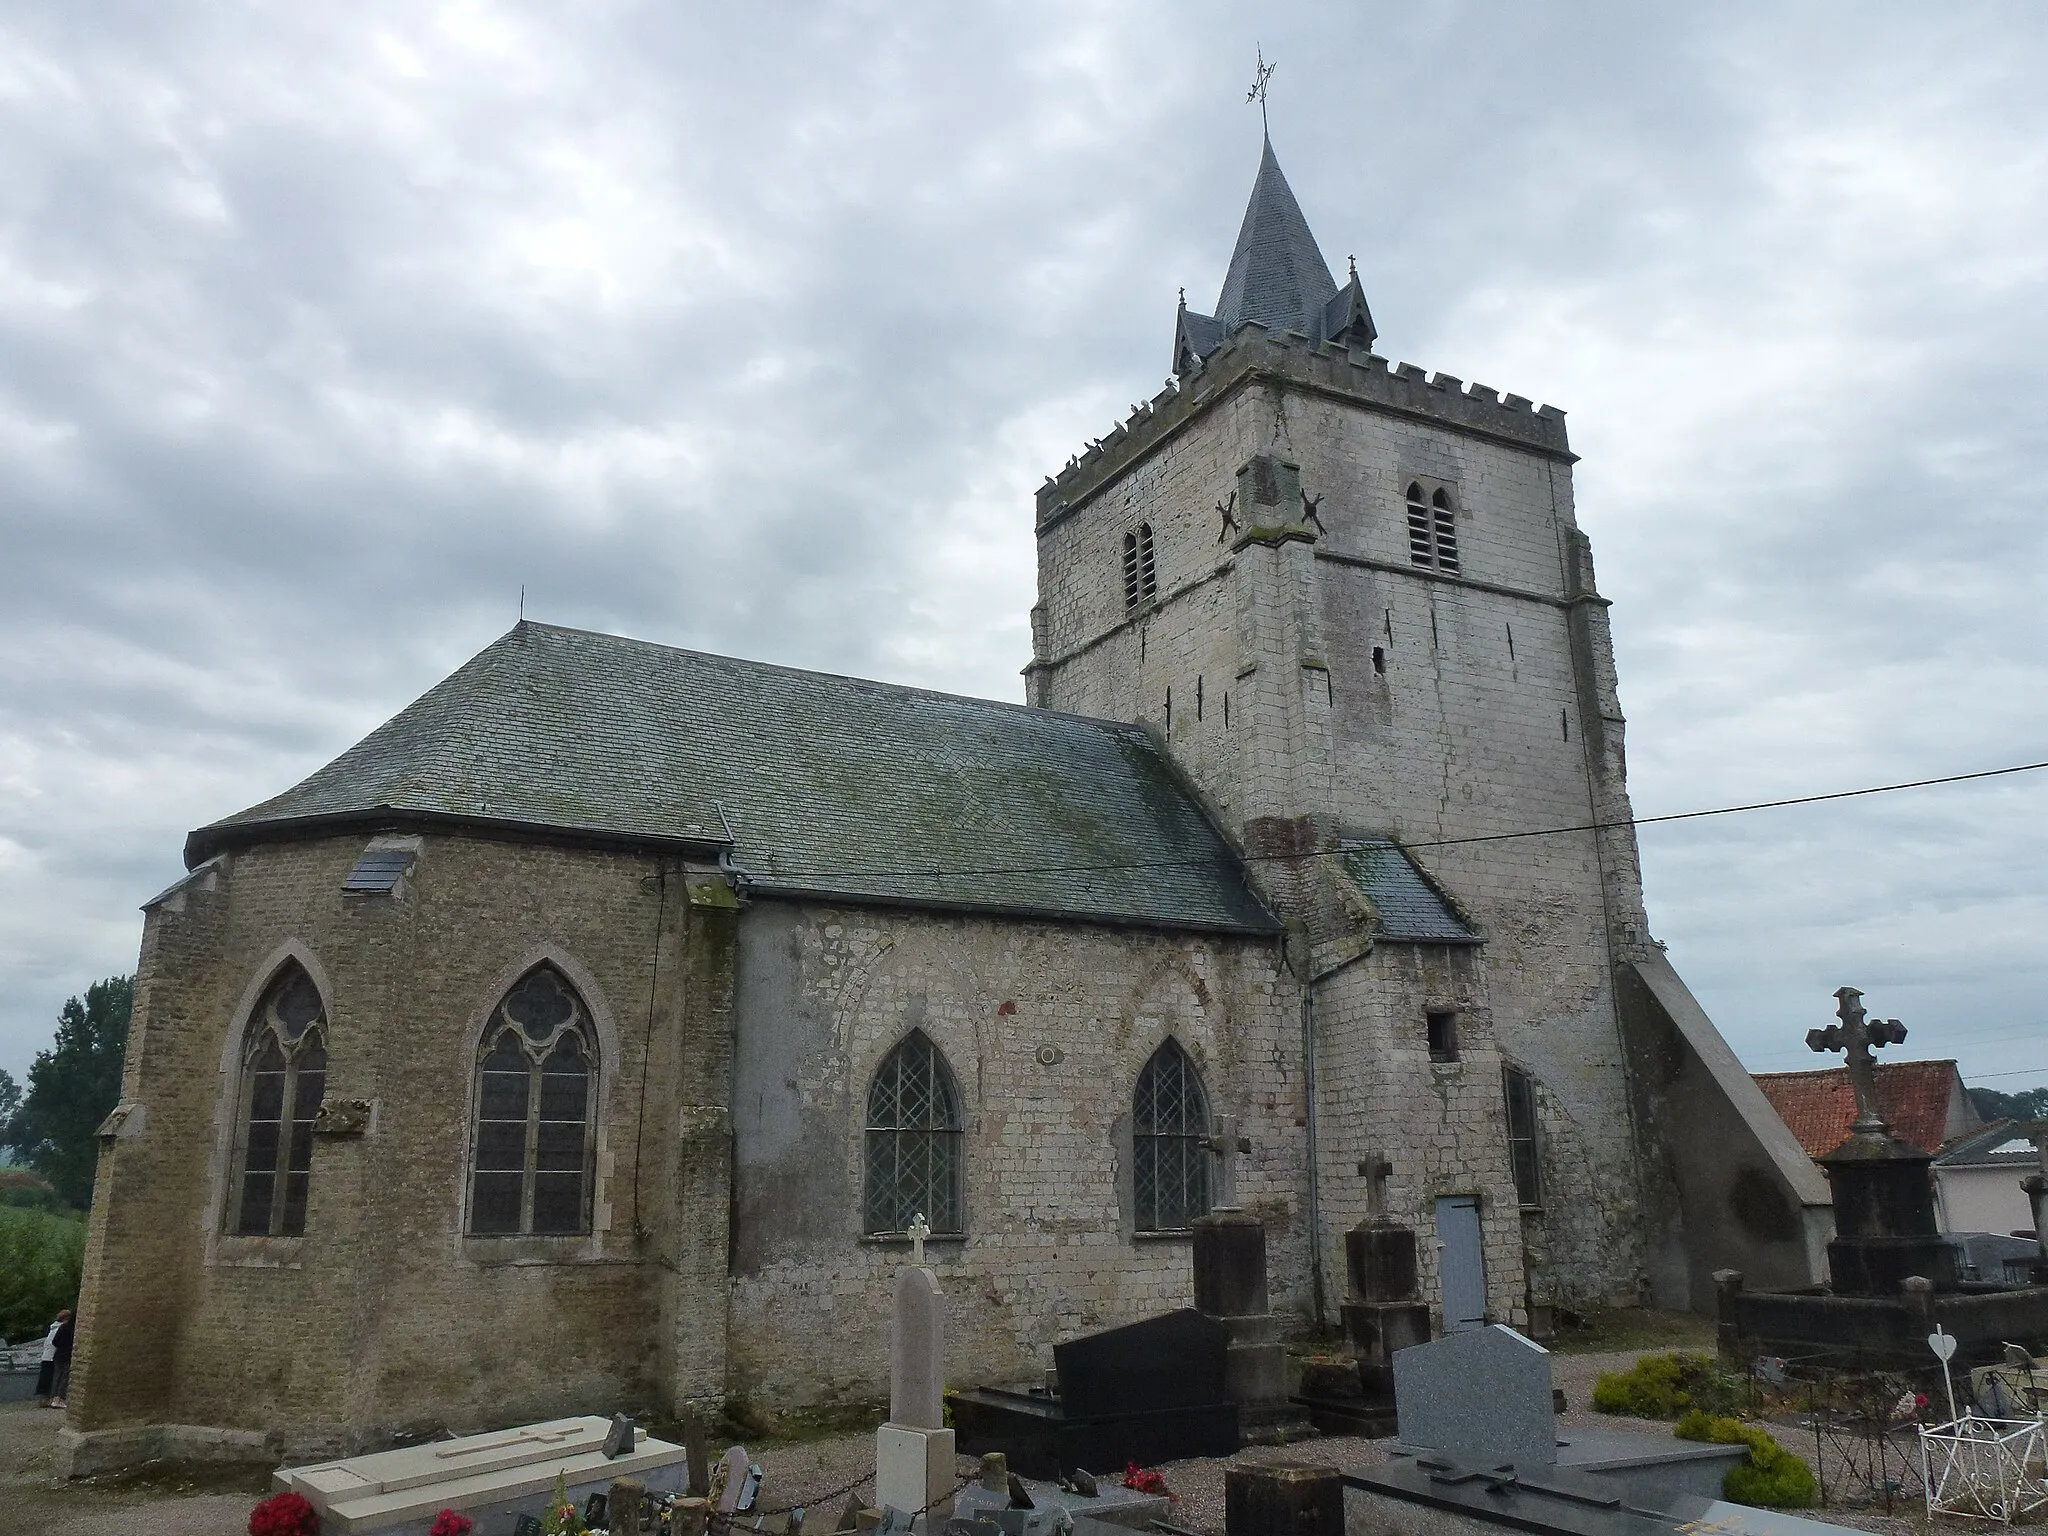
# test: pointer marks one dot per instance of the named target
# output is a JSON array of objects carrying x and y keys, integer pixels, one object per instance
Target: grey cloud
[{"x": 323, "y": 332}]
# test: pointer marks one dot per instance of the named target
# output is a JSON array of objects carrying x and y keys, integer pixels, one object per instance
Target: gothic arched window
[
  {"x": 1169, "y": 1134},
  {"x": 1432, "y": 529},
  {"x": 536, "y": 1095},
  {"x": 914, "y": 1135},
  {"x": 284, "y": 1075},
  {"x": 1141, "y": 568}
]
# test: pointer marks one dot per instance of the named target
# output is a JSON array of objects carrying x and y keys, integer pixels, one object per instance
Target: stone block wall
[
  {"x": 1045, "y": 1028},
  {"x": 384, "y": 1316},
  {"x": 1430, "y": 707}
]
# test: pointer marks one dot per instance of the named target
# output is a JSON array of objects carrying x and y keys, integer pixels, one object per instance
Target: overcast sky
[{"x": 752, "y": 328}]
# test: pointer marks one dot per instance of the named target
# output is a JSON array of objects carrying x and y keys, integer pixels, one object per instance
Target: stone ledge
[{"x": 86, "y": 1452}]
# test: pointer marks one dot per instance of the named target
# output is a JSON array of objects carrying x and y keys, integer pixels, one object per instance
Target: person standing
[
  {"x": 46, "y": 1371},
  {"x": 60, "y": 1381}
]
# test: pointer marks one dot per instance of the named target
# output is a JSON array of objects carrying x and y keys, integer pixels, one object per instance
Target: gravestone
[
  {"x": 1149, "y": 1392},
  {"x": 1230, "y": 1286},
  {"x": 914, "y": 1450},
  {"x": 1481, "y": 1398},
  {"x": 729, "y": 1482},
  {"x": 1383, "y": 1312},
  {"x": 493, "y": 1478}
]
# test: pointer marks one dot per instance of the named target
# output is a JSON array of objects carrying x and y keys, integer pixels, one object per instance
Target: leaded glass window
[
  {"x": 1169, "y": 1135},
  {"x": 1523, "y": 1147},
  {"x": 284, "y": 1075},
  {"x": 535, "y": 1098},
  {"x": 913, "y": 1142}
]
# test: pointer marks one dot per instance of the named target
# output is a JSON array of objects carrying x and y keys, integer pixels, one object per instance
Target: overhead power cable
[{"x": 1438, "y": 842}]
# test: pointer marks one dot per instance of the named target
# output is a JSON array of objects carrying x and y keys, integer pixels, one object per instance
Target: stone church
[{"x": 590, "y": 1035}]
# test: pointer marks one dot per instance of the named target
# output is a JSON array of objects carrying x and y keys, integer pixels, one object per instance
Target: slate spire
[{"x": 1277, "y": 278}]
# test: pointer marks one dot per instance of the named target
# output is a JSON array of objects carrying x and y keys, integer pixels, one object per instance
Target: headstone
[
  {"x": 1481, "y": 1397},
  {"x": 619, "y": 1441},
  {"x": 1283, "y": 1499},
  {"x": 729, "y": 1482},
  {"x": 917, "y": 1352},
  {"x": 1230, "y": 1286}
]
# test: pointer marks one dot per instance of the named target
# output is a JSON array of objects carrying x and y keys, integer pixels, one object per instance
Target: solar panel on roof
[{"x": 378, "y": 871}]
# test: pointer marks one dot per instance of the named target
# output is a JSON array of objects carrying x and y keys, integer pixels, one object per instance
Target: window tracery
[
  {"x": 284, "y": 1077},
  {"x": 530, "y": 1160}
]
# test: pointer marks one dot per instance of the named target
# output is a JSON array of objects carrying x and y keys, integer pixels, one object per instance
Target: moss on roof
[{"x": 832, "y": 786}]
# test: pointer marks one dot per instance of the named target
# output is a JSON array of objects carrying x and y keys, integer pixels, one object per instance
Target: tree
[
  {"x": 72, "y": 1086},
  {"x": 2027, "y": 1104},
  {"x": 10, "y": 1101}
]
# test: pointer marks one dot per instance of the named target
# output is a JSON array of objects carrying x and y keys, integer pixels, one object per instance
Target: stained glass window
[
  {"x": 284, "y": 1076},
  {"x": 536, "y": 1071},
  {"x": 913, "y": 1142},
  {"x": 1169, "y": 1129}
]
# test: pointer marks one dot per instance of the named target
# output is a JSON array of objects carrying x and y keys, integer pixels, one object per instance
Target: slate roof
[
  {"x": 1819, "y": 1107},
  {"x": 2001, "y": 1144},
  {"x": 833, "y": 786},
  {"x": 1277, "y": 274},
  {"x": 1408, "y": 905}
]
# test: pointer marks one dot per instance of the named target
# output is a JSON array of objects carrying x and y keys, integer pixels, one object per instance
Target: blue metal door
[{"x": 1461, "y": 1265}]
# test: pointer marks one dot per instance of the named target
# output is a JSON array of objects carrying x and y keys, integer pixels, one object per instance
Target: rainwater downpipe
[{"x": 1315, "y": 1181}]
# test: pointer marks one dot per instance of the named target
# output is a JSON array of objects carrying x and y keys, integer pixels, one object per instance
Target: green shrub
[
  {"x": 1771, "y": 1478},
  {"x": 30, "y": 1191},
  {"x": 41, "y": 1257},
  {"x": 1664, "y": 1386}
]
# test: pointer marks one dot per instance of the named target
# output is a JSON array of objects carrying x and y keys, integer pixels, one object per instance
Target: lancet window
[
  {"x": 284, "y": 1076},
  {"x": 913, "y": 1143},
  {"x": 1141, "y": 568},
  {"x": 536, "y": 1096},
  {"x": 1169, "y": 1136},
  {"x": 1432, "y": 529}
]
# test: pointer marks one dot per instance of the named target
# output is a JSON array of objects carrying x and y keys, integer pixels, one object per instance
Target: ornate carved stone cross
[
  {"x": 919, "y": 1230},
  {"x": 1224, "y": 1144},
  {"x": 1854, "y": 1037}
]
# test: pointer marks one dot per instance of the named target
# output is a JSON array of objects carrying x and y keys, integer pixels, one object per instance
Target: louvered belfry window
[
  {"x": 1141, "y": 568},
  {"x": 536, "y": 1098},
  {"x": 1169, "y": 1134},
  {"x": 913, "y": 1141},
  {"x": 284, "y": 1077},
  {"x": 1432, "y": 529},
  {"x": 1524, "y": 1153}
]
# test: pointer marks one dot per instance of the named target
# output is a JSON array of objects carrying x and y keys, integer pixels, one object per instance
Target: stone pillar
[
  {"x": 1283, "y": 1499},
  {"x": 1727, "y": 1325},
  {"x": 1385, "y": 1310}
]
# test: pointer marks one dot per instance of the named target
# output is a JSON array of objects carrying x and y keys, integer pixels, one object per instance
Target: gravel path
[{"x": 809, "y": 1472}]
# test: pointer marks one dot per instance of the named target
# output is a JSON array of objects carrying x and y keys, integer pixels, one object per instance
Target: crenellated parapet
[{"x": 1252, "y": 356}]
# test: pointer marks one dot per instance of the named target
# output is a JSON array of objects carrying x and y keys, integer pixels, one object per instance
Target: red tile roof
[{"x": 1819, "y": 1107}]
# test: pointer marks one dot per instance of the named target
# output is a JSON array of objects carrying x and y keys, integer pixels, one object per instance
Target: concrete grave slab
[{"x": 491, "y": 1477}]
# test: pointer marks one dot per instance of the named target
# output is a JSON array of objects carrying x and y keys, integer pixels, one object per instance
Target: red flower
[
  {"x": 449, "y": 1523},
  {"x": 284, "y": 1514},
  {"x": 1143, "y": 1479}
]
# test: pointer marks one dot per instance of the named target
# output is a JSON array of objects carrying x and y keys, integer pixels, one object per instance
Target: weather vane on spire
[{"x": 1258, "y": 91}]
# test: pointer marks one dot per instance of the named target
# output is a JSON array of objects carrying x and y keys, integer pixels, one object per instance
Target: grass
[{"x": 1630, "y": 1328}]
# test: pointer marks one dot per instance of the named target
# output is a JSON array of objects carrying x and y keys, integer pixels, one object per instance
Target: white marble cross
[{"x": 919, "y": 1231}]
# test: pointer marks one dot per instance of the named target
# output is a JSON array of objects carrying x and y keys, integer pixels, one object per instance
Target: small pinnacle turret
[{"x": 1277, "y": 279}]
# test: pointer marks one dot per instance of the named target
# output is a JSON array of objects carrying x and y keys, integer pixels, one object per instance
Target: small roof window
[{"x": 379, "y": 869}]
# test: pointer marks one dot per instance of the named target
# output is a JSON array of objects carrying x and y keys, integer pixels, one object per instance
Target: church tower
[{"x": 1353, "y": 602}]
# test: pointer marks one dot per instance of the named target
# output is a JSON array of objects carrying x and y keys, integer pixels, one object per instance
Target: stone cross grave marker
[
  {"x": 1854, "y": 1037},
  {"x": 920, "y": 1229},
  {"x": 1376, "y": 1171},
  {"x": 1481, "y": 1397},
  {"x": 917, "y": 1352},
  {"x": 1224, "y": 1143}
]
